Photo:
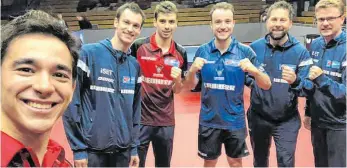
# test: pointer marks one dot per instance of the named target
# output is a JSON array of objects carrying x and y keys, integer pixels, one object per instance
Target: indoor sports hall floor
[{"x": 187, "y": 106}]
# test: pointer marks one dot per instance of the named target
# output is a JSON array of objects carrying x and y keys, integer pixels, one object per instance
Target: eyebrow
[
  {"x": 31, "y": 61},
  {"x": 64, "y": 68},
  {"x": 24, "y": 61}
]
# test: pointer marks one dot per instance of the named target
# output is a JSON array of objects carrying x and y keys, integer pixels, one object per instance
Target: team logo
[
  {"x": 293, "y": 67},
  {"x": 329, "y": 62},
  {"x": 126, "y": 79},
  {"x": 172, "y": 62},
  {"x": 220, "y": 76},
  {"x": 232, "y": 62},
  {"x": 159, "y": 68},
  {"x": 335, "y": 64},
  {"x": 220, "y": 72},
  {"x": 315, "y": 53}
]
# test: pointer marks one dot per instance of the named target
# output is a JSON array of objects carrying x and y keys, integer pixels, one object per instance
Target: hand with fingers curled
[
  {"x": 314, "y": 72},
  {"x": 247, "y": 66},
  {"x": 288, "y": 74},
  {"x": 197, "y": 64},
  {"x": 307, "y": 122},
  {"x": 81, "y": 163},
  {"x": 176, "y": 74},
  {"x": 134, "y": 161}
]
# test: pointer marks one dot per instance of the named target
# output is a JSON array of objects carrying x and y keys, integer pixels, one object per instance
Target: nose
[
  {"x": 277, "y": 23},
  {"x": 167, "y": 25},
  {"x": 43, "y": 85},
  {"x": 223, "y": 25},
  {"x": 130, "y": 28},
  {"x": 325, "y": 22}
]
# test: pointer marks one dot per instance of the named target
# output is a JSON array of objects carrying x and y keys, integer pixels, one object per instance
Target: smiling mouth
[
  {"x": 129, "y": 35},
  {"x": 39, "y": 106}
]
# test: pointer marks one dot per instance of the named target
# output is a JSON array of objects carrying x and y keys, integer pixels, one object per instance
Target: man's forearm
[
  {"x": 177, "y": 86},
  {"x": 262, "y": 80},
  {"x": 190, "y": 80}
]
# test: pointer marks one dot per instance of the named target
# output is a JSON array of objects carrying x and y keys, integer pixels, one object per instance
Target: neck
[
  {"x": 279, "y": 42},
  {"x": 118, "y": 45},
  {"x": 164, "y": 44},
  {"x": 327, "y": 39},
  {"x": 223, "y": 45},
  {"x": 38, "y": 142}
]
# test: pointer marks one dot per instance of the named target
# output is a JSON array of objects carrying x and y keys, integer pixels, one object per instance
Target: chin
[
  {"x": 41, "y": 128},
  {"x": 223, "y": 38},
  {"x": 127, "y": 41},
  {"x": 326, "y": 33},
  {"x": 165, "y": 36}
]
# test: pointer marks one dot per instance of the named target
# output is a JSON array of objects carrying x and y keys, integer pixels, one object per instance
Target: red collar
[
  {"x": 155, "y": 47},
  {"x": 55, "y": 155}
]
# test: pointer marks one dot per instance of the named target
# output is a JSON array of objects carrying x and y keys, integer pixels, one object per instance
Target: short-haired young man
[
  {"x": 163, "y": 63},
  {"x": 38, "y": 71},
  {"x": 102, "y": 122}
]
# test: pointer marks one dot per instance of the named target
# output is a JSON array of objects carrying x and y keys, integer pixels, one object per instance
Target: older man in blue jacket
[
  {"x": 326, "y": 102},
  {"x": 274, "y": 113}
]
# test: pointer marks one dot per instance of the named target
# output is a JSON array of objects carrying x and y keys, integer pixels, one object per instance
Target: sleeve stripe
[
  {"x": 83, "y": 66},
  {"x": 139, "y": 79},
  {"x": 306, "y": 62}
]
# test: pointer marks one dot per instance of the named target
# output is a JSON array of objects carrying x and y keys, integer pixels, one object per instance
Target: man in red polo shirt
[
  {"x": 162, "y": 61},
  {"x": 38, "y": 71}
]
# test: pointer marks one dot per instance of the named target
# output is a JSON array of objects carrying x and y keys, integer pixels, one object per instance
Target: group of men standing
[{"x": 124, "y": 88}]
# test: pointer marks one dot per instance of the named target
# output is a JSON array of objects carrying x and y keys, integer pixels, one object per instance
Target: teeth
[{"x": 39, "y": 106}]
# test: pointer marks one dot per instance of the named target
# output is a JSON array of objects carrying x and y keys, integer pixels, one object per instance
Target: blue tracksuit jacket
[
  {"x": 105, "y": 112},
  {"x": 326, "y": 102},
  {"x": 280, "y": 102}
]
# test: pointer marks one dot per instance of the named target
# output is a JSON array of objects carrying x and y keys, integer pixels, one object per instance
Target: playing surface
[{"x": 187, "y": 108}]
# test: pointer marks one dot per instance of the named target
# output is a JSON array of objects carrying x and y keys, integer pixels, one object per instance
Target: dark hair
[
  {"x": 132, "y": 6},
  {"x": 281, "y": 5},
  {"x": 36, "y": 21}
]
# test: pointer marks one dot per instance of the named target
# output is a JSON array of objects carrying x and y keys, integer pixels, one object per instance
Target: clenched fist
[
  {"x": 176, "y": 74},
  {"x": 314, "y": 72},
  {"x": 307, "y": 122},
  {"x": 81, "y": 163},
  {"x": 134, "y": 161},
  {"x": 288, "y": 74},
  {"x": 247, "y": 66},
  {"x": 197, "y": 64}
]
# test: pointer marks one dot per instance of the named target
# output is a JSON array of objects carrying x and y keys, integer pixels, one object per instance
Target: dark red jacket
[{"x": 15, "y": 154}]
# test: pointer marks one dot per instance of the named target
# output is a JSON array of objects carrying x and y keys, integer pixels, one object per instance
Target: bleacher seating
[
  {"x": 245, "y": 11},
  {"x": 307, "y": 17}
]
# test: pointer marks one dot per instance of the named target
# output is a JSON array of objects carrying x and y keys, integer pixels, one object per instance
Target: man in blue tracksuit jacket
[
  {"x": 326, "y": 102},
  {"x": 102, "y": 122},
  {"x": 274, "y": 113}
]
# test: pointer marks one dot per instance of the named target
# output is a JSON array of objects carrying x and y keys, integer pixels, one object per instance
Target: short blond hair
[
  {"x": 165, "y": 7},
  {"x": 323, "y": 4},
  {"x": 222, "y": 5}
]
